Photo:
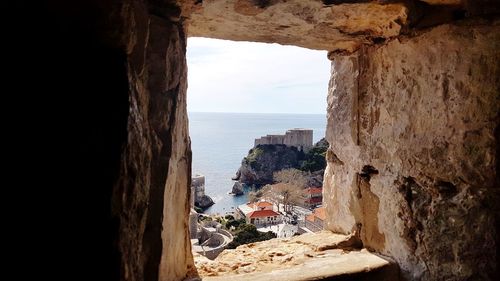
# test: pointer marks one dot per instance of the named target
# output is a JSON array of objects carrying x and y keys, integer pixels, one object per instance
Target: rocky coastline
[{"x": 258, "y": 167}]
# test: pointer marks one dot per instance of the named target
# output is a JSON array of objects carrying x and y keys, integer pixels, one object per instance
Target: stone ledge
[
  {"x": 318, "y": 256},
  {"x": 305, "y": 23}
]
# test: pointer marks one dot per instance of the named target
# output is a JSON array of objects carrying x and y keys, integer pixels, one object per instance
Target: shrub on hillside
[
  {"x": 234, "y": 223},
  {"x": 248, "y": 233},
  {"x": 315, "y": 159}
]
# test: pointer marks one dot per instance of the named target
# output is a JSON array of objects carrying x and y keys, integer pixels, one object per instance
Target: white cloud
[{"x": 228, "y": 76}]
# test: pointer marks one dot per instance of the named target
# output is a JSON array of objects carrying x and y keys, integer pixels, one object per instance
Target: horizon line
[{"x": 232, "y": 112}]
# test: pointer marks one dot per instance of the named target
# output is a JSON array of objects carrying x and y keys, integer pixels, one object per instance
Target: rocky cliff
[
  {"x": 262, "y": 161},
  {"x": 204, "y": 202},
  {"x": 258, "y": 166},
  {"x": 237, "y": 189}
]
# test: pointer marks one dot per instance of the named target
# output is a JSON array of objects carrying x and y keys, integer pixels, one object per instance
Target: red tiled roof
[
  {"x": 314, "y": 190},
  {"x": 262, "y": 213},
  {"x": 264, "y": 204},
  {"x": 261, "y": 204}
]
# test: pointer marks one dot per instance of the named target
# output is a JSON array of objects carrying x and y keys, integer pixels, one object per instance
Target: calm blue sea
[{"x": 219, "y": 142}]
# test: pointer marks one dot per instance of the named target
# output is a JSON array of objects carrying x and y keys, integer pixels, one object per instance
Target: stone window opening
[{"x": 285, "y": 253}]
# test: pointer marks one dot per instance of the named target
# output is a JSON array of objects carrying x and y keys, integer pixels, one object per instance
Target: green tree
[
  {"x": 315, "y": 158},
  {"x": 248, "y": 233}
]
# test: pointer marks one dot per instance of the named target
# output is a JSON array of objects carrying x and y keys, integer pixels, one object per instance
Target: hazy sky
[{"x": 228, "y": 76}]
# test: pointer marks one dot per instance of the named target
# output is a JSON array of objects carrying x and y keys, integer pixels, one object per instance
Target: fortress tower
[{"x": 300, "y": 138}]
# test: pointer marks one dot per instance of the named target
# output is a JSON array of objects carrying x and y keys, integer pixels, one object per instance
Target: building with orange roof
[
  {"x": 261, "y": 205},
  {"x": 314, "y": 221},
  {"x": 261, "y": 217},
  {"x": 259, "y": 213}
]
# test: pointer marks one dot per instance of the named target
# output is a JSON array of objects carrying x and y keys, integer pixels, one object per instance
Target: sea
[{"x": 219, "y": 142}]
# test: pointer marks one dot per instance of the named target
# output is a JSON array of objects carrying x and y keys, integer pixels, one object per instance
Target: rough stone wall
[
  {"x": 270, "y": 139},
  {"x": 198, "y": 180},
  {"x": 413, "y": 127},
  {"x": 314, "y": 24},
  {"x": 261, "y": 140},
  {"x": 109, "y": 78},
  {"x": 198, "y": 187},
  {"x": 275, "y": 139},
  {"x": 152, "y": 195}
]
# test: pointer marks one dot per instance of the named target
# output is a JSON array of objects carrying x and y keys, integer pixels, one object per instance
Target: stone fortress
[
  {"x": 197, "y": 188},
  {"x": 208, "y": 238},
  {"x": 300, "y": 138},
  {"x": 198, "y": 196}
]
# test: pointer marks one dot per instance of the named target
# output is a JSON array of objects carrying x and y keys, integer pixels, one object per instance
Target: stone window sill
[{"x": 312, "y": 256}]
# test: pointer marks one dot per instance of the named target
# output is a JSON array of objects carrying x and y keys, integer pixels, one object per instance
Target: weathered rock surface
[
  {"x": 414, "y": 142},
  {"x": 305, "y": 257},
  {"x": 305, "y": 23},
  {"x": 237, "y": 189},
  {"x": 443, "y": 2},
  {"x": 204, "y": 202},
  {"x": 258, "y": 166},
  {"x": 151, "y": 198}
]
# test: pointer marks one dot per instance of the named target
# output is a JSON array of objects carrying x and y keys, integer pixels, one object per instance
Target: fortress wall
[
  {"x": 262, "y": 140},
  {"x": 198, "y": 185},
  {"x": 198, "y": 180},
  {"x": 276, "y": 139},
  {"x": 299, "y": 138}
]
